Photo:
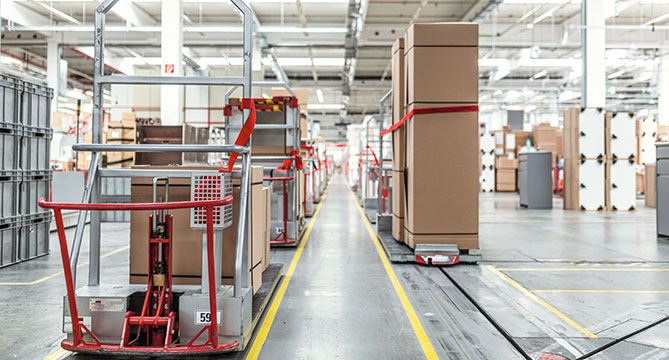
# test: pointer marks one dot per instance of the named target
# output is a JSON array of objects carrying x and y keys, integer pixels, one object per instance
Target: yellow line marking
[
  {"x": 61, "y": 272},
  {"x": 261, "y": 337},
  {"x": 428, "y": 350},
  {"x": 603, "y": 291},
  {"x": 541, "y": 302},
  {"x": 583, "y": 269},
  {"x": 56, "y": 354}
]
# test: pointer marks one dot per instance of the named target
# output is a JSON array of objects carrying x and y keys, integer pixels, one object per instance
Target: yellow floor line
[
  {"x": 261, "y": 337},
  {"x": 56, "y": 354},
  {"x": 425, "y": 344},
  {"x": 603, "y": 291},
  {"x": 583, "y": 269},
  {"x": 61, "y": 272},
  {"x": 541, "y": 302}
]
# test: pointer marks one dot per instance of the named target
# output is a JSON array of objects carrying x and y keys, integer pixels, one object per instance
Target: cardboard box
[
  {"x": 650, "y": 193},
  {"x": 464, "y": 241},
  {"x": 505, "y": 180},
  {"x": 435, "y": 182},
  {"x": 441, "y": 63},
  {"x": 399, "y": 135},
  {"x": 521, "y": 138},
  {"x": 399, "y": 199},
  {"x": 398, "y": 229},
  {"x": 128, "y": 120},
  {"x": 268, "y": 219},
  {"x": 187, "y": 258},
  {"x": 114, "y": 157},
  {"x": 503, "y": 162},
  {"x": 304, "y": 127}
]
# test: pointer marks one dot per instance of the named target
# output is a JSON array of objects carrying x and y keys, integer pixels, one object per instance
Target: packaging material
[
  {"x": 509, "y": 143},
  {"x": 441, "y": 69},
  {"x": 399, "y": 201},
  {"x": 521, "y": 138},
  {"x": 505, "y": 179},
  {"x": 398, "y": 229},
  {"x": 302, "y": 96},
  {"x": 304, "y": 127},
  {"x": 187, "y": 260},
  {"x": 267, "y": 192},
  {"x": 650, "y": 179},
  {"x": 398, "y": 98},
  {"x": 503, "y": 162}
]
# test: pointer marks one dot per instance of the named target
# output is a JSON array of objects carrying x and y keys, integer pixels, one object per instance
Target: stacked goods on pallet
[
  {"x": 121, "y": 132},
  {"x": 647, "y": 136},
  {"x": 584, "y": 159},
  {"x": 506, "y": 178},
  {"x": 399, "y": 142},
  {"x": 621, "y": 160},
  {"x": 521, "y": 137},
  {"x": 187, "y": 261},
  {"x": 170, "y": 134},
  {"x": 547, "y": 138},
  {"x": 25, "y": 175},
  {"x": 441, "y": 70},
  {"x": 487, "y": 162}
]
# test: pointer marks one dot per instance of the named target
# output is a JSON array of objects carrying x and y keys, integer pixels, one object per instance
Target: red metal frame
[
  {"x": 282, "y": 237},
  {"x": 78, "y": 342}
]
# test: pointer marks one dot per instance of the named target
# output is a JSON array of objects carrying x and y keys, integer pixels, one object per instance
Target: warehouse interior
[{"x": 391, "y": 179}]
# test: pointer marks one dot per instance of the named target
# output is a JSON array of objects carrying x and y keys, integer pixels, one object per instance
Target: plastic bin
[
  {"x": 10, "y": 141},
  {"x": 35, "y": 184},
  {"x": 34, "y": 236},
  {"x": 9, "y": 247},
  {"x": 36, "y": 106}
]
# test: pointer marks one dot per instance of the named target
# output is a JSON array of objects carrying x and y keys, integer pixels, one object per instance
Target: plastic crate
[
  {"x": 34, "y": 236},
  {"x": 10, "y": 145},
  {"x": 35, "y": 149},
  {"x": 36, "y": 106},
  {"x": 9, "y": 243},
  {"x": 10, "y": 183},
  {"x": 35, "y": 184},
  {"x": 10, "y": 98}
]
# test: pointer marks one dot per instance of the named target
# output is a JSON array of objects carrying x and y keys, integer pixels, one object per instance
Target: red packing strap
[
  {"x": 376, "y": 160},
  {"x": 295, "y": 157},
  {"x": 245, "y": 133},
  {"x": 432, "y": 110}
]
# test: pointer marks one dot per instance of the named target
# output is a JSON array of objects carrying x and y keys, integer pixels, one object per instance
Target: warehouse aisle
[{"x": 340, "y": 302}]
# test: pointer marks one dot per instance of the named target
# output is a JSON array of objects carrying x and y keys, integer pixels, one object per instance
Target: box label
[
  {"x": 203, "y": 317},
  {"x": 111, "y": 305}
]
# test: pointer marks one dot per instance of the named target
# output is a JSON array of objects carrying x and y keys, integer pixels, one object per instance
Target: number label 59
[{"x": 203, "y": 317}]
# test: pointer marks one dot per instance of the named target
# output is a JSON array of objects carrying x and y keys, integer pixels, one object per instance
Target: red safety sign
[{"x": 169, "y": 68}]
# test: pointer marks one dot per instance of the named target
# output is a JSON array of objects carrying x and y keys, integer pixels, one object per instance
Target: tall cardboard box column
[
  {"x": 399, "y": 142},
  {"x": 187, "y": 251},
  {"x": 441, "y": 62}
]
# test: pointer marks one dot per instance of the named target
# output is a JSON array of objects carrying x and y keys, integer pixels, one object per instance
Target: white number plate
[
  {"x": 203, "y": 317},
  {"x": 279, "y": 230}
]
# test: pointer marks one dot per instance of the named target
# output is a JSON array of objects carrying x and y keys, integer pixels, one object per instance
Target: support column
[
  {"x": 593, "y": 84},
  {"x": 53, "y": 70},
  {"x": 171, "y": 96},
  {"x": 663, "y": 91}
]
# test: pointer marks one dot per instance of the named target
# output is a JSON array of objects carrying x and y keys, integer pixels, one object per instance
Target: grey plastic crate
[
  {"x": 34, "y": 236},
  {"x": 10, "y": 183},
  {"x": 115, "y": 190},
  {"x": 9, "y": 243},
  {"x": 35, "y": 184},
  {"x": 10, "y": 141},
  {"x": 35, "y": 148},
  {"x": 10, "y": 98},
  {"x": 36, "y": 106}
]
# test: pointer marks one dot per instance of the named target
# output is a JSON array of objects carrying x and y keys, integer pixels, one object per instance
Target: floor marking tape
[
  {"x": 603, "y": 291},
  {"x": 584, "y": 269},
  {"x": 425, "y": 344},
  {"x": 261, "y": 337},
  {"x": 58, "y": 354},
  {"x": 541, "y": 302},
  {"x": 61, "y": 272}
]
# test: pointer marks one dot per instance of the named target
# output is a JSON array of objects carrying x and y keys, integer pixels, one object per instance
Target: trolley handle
[{"x": 135, "y": 206}]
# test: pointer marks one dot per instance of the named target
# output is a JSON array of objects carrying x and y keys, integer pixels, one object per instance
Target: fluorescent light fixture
[
  {"x": 264, "y": 95},
  {"x": 299, "y": 29},
  {"x": 541, "y": 2},
  {"x": 615, "y": 74},
  {"x": 569, "y": 95},
  {"x": 325, "y": 106},
  {"x": 58, "y": 13},
  {"x": 540, "y": 74},
  {"x": 543, "y": 16},
  {"x": 319, "y": 93},
  {"x": 656, "y": 20}
]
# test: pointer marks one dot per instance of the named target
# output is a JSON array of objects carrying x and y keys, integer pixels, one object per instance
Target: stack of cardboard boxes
[
  {"x": 441, "y": 170},
  {"x": 121, "y": 132},
  {"x": 547, "y": 138},
  {"x": 187, "y": 242},
  {"x": 506, "y": 178},
  {"x": 399, "y": 142}
]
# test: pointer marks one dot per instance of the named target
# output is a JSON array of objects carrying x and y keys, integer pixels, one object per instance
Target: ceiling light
[
  {"x": 58, "y": 13},
  {"x": 656, "y": 20},
  {"x": 540, "y": 74},
  {"x": 325, "y": 106},
  {"x": 319, "y": 93},
  {"x": 616, "y": 74},
  {"x": 543, "y": 16}
]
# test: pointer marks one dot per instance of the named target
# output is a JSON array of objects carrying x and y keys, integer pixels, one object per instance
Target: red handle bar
[{"x": 136, "y": 206}]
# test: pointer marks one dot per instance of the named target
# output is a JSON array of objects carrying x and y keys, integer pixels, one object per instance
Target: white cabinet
[
  {"x": 592, "y": 185},
  {"x": 622, "y": 188},
  {"x": 591, "y": 133},
  {"x": 623, "y": 135}
]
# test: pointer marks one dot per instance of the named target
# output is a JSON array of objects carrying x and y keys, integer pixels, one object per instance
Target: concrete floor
[{"x": 559, "y": 282}]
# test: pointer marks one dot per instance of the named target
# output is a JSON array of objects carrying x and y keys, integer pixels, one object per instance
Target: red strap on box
[
  {"x": 376, "y": 160},
  {"x": 244, "y": 134},
  {"x": 433, "y": 110},
  {"x": 295, "y": 157}
]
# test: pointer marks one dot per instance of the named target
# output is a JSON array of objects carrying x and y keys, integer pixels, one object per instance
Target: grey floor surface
[{"x": 549, "y": 278}]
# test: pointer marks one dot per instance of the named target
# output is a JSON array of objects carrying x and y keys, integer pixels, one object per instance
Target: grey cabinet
[
  {"x": 662, "y": 189},
  {"x": 535, "y": 180}
]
